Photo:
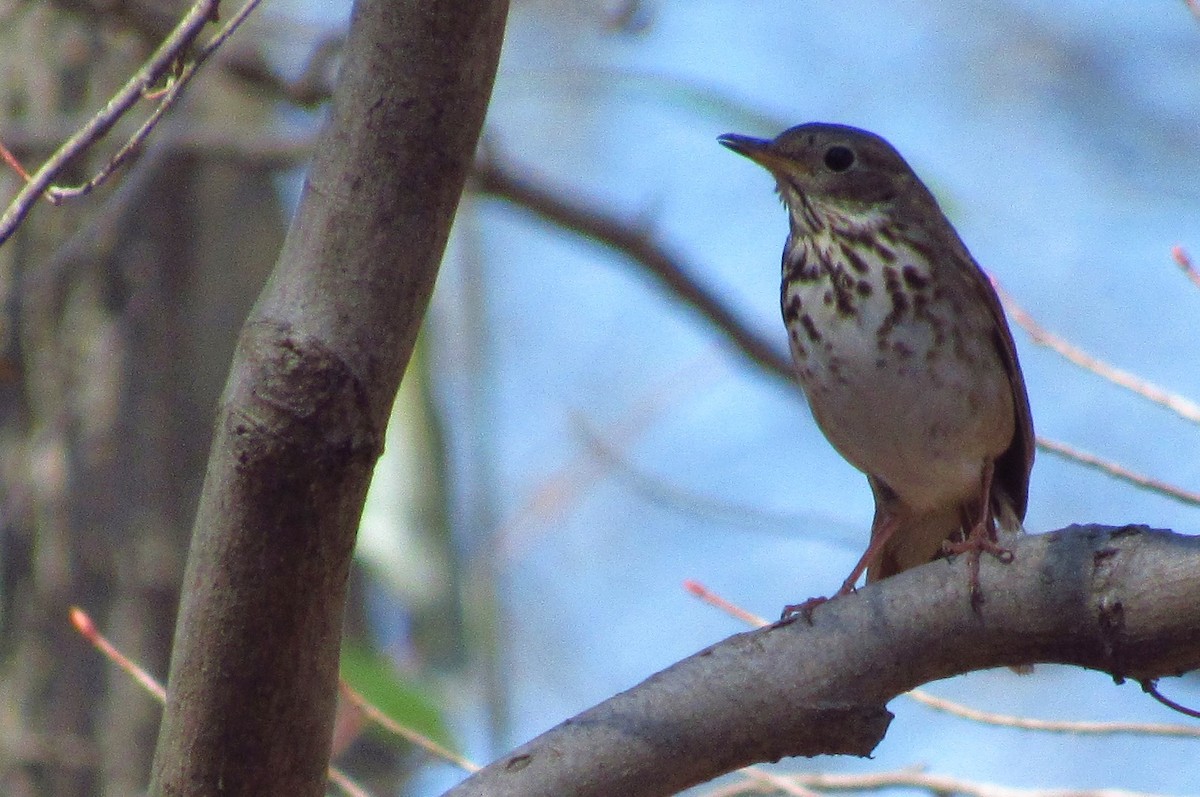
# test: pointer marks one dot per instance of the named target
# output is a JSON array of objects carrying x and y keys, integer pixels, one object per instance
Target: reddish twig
[
  {"x": 389, "y": 724},
  {"x": 1184, "y": 261},
  {"x": 87, "y": 629},
  {"x": 13, "y": 163},
  {"x": 732, "y": 609}
]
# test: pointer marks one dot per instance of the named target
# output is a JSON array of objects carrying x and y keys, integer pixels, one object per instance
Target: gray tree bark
[
  {"x": 1121, "y": 600},
  {"x": 254, "y": 666}
]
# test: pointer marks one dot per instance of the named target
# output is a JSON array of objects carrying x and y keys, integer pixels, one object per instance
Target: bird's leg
[
  {"x": 879, "y": 537},
  {"x": 982, "y": 536}
]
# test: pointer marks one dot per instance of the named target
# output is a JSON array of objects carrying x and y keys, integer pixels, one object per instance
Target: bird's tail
[{"x": 918, "y": 538}]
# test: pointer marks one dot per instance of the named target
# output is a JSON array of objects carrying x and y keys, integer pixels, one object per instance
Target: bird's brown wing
[{"x": 1014, "y": 465}]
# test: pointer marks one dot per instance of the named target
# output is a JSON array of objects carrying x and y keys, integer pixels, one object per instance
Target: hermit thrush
[{"x": 901, "y": 346}]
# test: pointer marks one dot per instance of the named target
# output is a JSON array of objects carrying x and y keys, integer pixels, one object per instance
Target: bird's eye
[{"x": 839, "y": 158}]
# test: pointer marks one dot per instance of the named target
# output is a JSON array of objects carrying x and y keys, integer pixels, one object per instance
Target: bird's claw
[{"x": 795, "y": 610}]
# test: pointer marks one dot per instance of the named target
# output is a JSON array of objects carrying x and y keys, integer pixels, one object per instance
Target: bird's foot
[
  {"x": 805, "y": 610},
  {"x": 795, "y": 610},
  {"x": 981, "y": 540}
]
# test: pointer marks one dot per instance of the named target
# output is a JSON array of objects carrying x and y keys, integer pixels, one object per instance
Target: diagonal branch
[
  {"x": 182, "y": 37},
  {"x": 657, "y": 259},
  {"x": 1119, "y": 600}
]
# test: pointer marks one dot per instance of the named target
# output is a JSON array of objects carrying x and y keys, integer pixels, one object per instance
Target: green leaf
[{"x": 403, "y": 700}]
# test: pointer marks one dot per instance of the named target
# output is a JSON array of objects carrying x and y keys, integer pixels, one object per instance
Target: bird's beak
[{"x": 758, "y": 150}]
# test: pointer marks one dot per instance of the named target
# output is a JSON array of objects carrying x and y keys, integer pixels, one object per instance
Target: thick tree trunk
[{"x": 253, "y": 672}]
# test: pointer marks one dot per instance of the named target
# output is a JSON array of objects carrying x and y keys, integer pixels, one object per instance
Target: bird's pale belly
[{"x": 899, "y": 399}]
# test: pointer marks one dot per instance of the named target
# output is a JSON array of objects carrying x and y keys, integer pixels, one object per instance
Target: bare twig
[
  {"x": 1119, "y": 471},
  {"x": 759, "y": 781},
  {"x": 1184, "y": 407},
  {"x": 941, "y": 785},
  {"x": 13, "y": 163},
  {"x": 1054, "y": 726},
  {"x": 784, "y": 784},
  {"x": 270, "y": 150},
  {"x": 168, "y": 96},
  {"x": 389, "y": 724},
  {"x": 592, "y": 222},
  {"x": 311, "y": 86},
  {"x": 1184, "y": 261},
  {"x": 167, "y": 57},
  {"x": 87, "y": 629},
  {"x": 1150, "y": 687},
  {"x": 158, "y": 65},
  {"x": 729, "y": 607},
  {"x": 343, "y": 782}
]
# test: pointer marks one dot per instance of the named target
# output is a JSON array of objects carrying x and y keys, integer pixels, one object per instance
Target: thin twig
[
  {"x": 912, "y": 778},
  {"x": 1180, "y": 405},
  {"x": 759, "y": 781},
  {"x": 945, "y": 785},
  {"x": 158, "y": 64},
  {"x": 1054, "y": 726},
  {"x": 168, "y": 55},
  {"x": 1184, "y": 261},
  {"x": 338, "y": 777},
  {"x": 1119, "y": 471},
  {"x": 87, "y": 629},
  {"x": 13, "y": 163},
  {"x": 424, "y": 742},
  {"x": 58, "y": 194},
  {"x": 1150, "y": 687},
  {"x": 732, "y": 609},
  {"x": 785, "y": 784}
]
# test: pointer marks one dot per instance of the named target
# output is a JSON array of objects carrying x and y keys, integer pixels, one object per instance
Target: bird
[{"x": 901, "y": 347}]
